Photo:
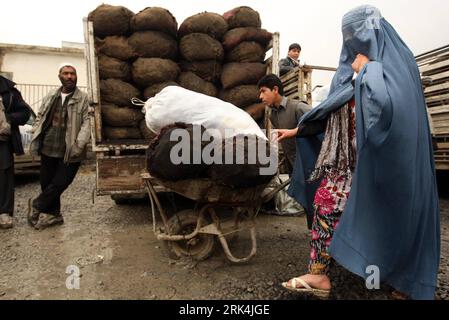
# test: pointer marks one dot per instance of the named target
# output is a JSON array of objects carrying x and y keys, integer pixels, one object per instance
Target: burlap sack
[
  {"x": 161, "y": 165},
  {"x": 242, "y": 17},
  {"x": 200, "y": 47},
  {"x": 242, "y": 175},
  {"x": 117, "y": 92},
  {"x": 207, "y": 70},
  {"x": 154, "y": 89},
  {"x": 110, "y": 20},
  {"x": 155, "y": 19},
  {"x": 241, "y": 96},
  {"x": 154, "y": 44},
  {"x": 209, "y": 23},
  {"x": 247, "y": 51},
  {"x": 147, "y": 134},
  {"x": 113, "y": 68},
  {"x": 257, "y": 111},
  {"x": 235, "y": 74},
  {"x": 234, "y": 37},
  {"x": 116, "y": 47},
  {"x": 149, "y": 71},
  {"x": 115, "y": 116},
  {"x": 191, "y": 81}
]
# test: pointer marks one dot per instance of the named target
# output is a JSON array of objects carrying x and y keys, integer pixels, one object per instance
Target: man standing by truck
[{"x": 60, "y": 135}]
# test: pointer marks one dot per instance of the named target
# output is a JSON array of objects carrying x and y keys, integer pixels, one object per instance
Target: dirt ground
[{"x": 119, "y": 257}]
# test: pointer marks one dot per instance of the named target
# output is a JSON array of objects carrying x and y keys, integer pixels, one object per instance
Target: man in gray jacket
[
  {"x": 285, "y": 113},
  {"x": 60, "y": 135}
]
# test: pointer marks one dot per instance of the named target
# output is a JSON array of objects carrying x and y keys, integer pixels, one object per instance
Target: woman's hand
[
  {"x": 286, "y": 133},
  {"x": 359, "y": 62}
]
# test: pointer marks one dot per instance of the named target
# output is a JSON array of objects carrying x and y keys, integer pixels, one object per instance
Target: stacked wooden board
[{"x": 434, "y": 68}]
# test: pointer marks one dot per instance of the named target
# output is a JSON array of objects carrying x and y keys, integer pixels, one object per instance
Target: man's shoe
[
  {"x": 5, "y": 221},
  {"x": 33, "y": 214},
  {"x": 46, "y": 220}
]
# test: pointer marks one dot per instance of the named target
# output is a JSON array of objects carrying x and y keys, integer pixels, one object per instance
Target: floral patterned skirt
[{"x": 329, "y": 203}]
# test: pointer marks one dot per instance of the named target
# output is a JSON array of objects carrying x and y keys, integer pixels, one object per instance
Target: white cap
[{"x": 66, "y": 64}]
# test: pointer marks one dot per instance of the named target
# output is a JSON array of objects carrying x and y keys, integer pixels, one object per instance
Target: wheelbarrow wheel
[{"x": 198, "y": 248}]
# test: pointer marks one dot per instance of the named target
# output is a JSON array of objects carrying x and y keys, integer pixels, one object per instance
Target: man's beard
[{"x": 69, "y": 84}]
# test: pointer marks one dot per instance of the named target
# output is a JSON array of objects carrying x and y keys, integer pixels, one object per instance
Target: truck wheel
[{"x": 198, "y": 248}]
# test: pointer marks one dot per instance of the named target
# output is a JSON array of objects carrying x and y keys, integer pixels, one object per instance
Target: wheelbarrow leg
[
  {"x": 224, "y": 241},
  {"x": 230, "y": 256}
]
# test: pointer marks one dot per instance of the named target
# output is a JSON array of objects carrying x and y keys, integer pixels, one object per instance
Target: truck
[{"x": 120, "y": 164}]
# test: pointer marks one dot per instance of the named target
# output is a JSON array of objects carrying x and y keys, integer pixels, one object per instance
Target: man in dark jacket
[
  {"x": 292, "y": 60},
  {"x": 17, "y": 113}
]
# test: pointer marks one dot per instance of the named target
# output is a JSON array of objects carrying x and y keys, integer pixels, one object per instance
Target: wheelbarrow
[{"x": 192, "y": 232}]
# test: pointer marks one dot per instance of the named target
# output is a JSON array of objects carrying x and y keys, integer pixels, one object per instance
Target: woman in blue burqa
[{"x": 365, "y": 170}]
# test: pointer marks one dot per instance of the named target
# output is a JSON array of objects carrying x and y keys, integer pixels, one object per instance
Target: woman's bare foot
[{"x": 321, "y": 282}]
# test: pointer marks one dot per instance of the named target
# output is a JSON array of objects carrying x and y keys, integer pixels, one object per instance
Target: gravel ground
[{"x": 120, "y": 258}]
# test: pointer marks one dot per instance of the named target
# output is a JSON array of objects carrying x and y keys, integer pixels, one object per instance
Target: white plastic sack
[
  {"x": 284, "y": 204},
  {"x": 176, "y": 104}
]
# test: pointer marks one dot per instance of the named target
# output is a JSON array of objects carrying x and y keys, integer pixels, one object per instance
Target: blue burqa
[{"x": 391, "y": 219}]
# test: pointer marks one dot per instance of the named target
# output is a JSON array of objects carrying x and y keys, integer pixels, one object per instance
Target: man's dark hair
[
  {"x": 294, "y": 46},
  {"x": 270, "y": 81}
]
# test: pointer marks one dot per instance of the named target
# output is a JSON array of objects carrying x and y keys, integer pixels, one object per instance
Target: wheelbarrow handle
[{"x": 272, "y": 193}]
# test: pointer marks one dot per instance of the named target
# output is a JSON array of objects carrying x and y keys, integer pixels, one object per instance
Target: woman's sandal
[{"x": 306, "y": 288}]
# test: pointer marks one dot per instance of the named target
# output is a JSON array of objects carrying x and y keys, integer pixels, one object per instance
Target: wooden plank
[
  {"x": 276, "y": 53},
  {"x": 292, "y": 86},
  {"x": 443, "y": 145},
  {"x": 292, "y": 74},
  {"x": 437, "y": 110},
  {"x": 438, "y": 87},
  {"x": 93, "y": 79},
  {"x": 441, "y": 131},
  {"x": 309, "y": 87},
  {"x": 442, "y": 166},
  {"x": 433, "y": 53},
  {"x": 441, "y": 117},
  {"x": 437, "y": 98},
  {"x": 293, "y": 80},
  {"x": 433, "y": 60},
  {"x": 322, "y": 68},
  {"x": 439, "y": 76},
  {"x": 431, "y": 68},
  {"x": 120, "y": 173},
  {"x": 441, "y": 128},
  {"x": 439, "y": 122},
  {"x": 436, "y": 104}
]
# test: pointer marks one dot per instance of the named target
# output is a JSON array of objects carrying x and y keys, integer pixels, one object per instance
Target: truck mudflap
[{"x": 120, "y": 174}]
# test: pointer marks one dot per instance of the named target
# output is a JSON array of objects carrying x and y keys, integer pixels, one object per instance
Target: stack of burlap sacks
[
  {"x": 223, "y": 56},
  {"x": 245, "y": 47},
  {"x": 201, "y": 52},
  {"x": 138, "y": 56}
]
